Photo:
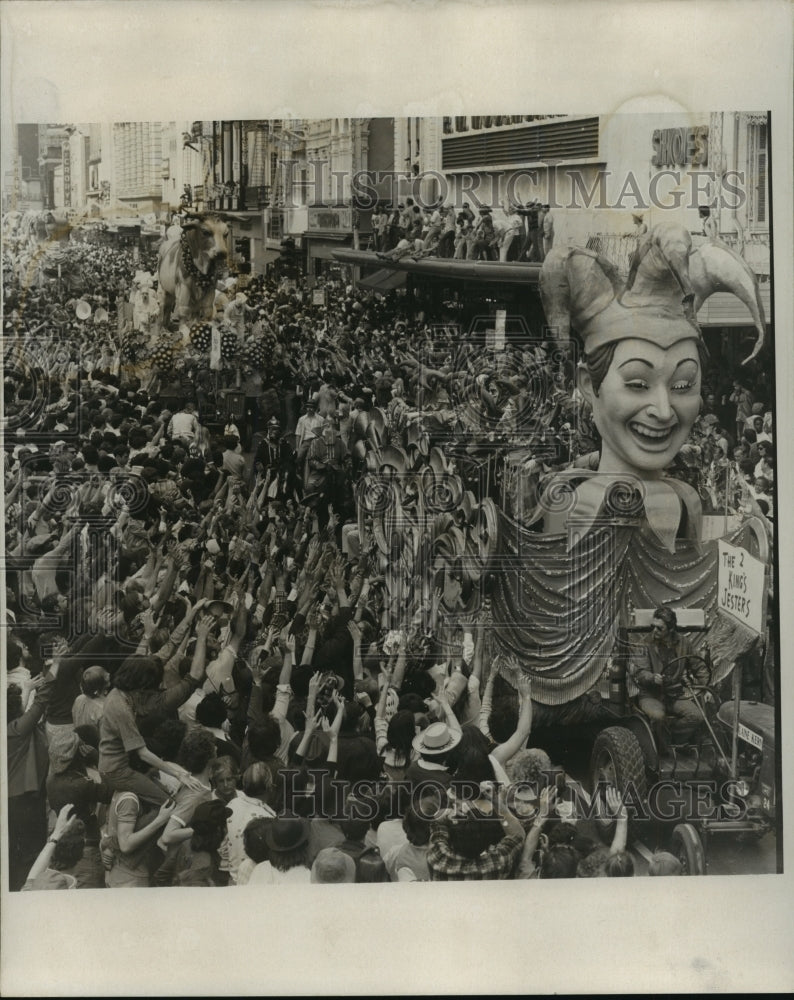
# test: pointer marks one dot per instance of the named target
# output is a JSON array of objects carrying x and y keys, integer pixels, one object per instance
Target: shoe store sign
[{"x": 681, "y": 147}]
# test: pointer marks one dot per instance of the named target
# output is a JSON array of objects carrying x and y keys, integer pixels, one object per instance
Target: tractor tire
[
  {"x": 617, "y": 760},
  {"x": 687, "y": 846}
]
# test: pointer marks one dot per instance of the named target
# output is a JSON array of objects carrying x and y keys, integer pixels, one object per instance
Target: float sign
[{"x": 741, "y": 586}]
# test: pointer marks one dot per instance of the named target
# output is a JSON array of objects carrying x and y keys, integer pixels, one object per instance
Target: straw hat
[{"x": 436, "y": 740}]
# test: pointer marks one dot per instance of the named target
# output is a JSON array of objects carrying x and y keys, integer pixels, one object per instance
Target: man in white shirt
[
  {"x": 434, "y": 229},
  {"x": 547, "y": 230},
  {"x": 307, "y": 429},
  {"x": 510, "y": 225},
  {"x": 184, "y": 424}
]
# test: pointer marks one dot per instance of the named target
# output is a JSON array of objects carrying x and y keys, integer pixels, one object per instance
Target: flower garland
[{"x": 204, "y": 280}]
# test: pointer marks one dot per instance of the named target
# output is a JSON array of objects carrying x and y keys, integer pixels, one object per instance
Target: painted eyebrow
[{"x": 641, "y": 361}]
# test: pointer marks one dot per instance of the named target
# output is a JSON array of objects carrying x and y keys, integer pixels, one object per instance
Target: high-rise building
[{"x": 137, "y": 167}]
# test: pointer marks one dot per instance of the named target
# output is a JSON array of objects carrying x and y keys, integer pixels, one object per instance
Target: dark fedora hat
[{"x": 286, "y": 834}]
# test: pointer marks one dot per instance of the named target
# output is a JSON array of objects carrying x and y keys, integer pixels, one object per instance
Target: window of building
[
  {"x": 302, "y": 187},
  {"x": 447, "y": 126},
  {"x": 758, "y": 216},
  {"x": 275, "y": 226},
  {"x": 461, "y": 123}
]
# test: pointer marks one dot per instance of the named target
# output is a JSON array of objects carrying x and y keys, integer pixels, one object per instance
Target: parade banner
[
  {"x": 499, "y": 331},
  {"x": 741, "y": 586}
]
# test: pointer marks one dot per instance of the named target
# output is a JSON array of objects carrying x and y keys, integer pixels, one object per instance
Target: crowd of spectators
[
  {"x": 209, "y": 681},
  {"x": 514, "y": 232}
]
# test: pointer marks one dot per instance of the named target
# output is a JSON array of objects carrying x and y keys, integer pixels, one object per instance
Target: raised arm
[
  {"x": 313, "y": 722},
  {"x": 526, "y": 866},
  {"x": 486, "y": 704},
  {"x": 62, "y": 823},
  {"x": 311, "y": 639},
  {"x": 618, "y": 810},
  {"x": 399, "y": 667},
  {"x": 510, "y": 747},
  {"x": 333, "y": 732},
  {"x": 338, "y": 578},
  {"x": 199, "y": 661},
  {"x": 174, "y": 562},
  {"x": 380, "y": 711},
  {"x": 446, "y": 709}
]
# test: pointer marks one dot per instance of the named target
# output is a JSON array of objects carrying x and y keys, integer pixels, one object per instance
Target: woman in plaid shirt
[{"x": 475, "y": 841}]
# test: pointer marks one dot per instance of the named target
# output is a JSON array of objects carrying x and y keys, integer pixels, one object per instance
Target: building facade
[
  {"x": 137, "y": 167},
  {"x": 596, "y": 172}
]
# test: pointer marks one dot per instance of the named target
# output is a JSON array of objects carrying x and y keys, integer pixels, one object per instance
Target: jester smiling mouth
[{"x": 652, "y": 436}]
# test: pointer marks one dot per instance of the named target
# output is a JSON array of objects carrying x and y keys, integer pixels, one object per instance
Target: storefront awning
[
  {"x": 443, "y": 267},
  {"x": 383, "y": 280},
  {"x": 327, "y": 247},
  {"x": 268, "y": 256}
]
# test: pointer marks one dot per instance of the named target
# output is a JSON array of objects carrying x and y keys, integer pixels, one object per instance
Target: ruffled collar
[{"x": 580, "y": 497}]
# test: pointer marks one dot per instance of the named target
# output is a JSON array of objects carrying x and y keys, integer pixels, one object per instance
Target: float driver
[{"x": 659, "y": 667}]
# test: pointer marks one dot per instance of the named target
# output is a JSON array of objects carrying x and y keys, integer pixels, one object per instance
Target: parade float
[{"x": 565, "y": 578}]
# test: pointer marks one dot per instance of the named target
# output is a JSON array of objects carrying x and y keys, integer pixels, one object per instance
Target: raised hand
[
  {"x": 194, "y": 610},
  {"x": 204, "y": 626},
  {"x": 314, "y": 687},
  {"x": 314, "y": 721},
  {"x": 548, "y": 797},
  {"x": 147, "y": 620},
  {"x": 63, "y": 821},
  {"x": 615, "y": 802},
  {"x": 524, "y": 685}
]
